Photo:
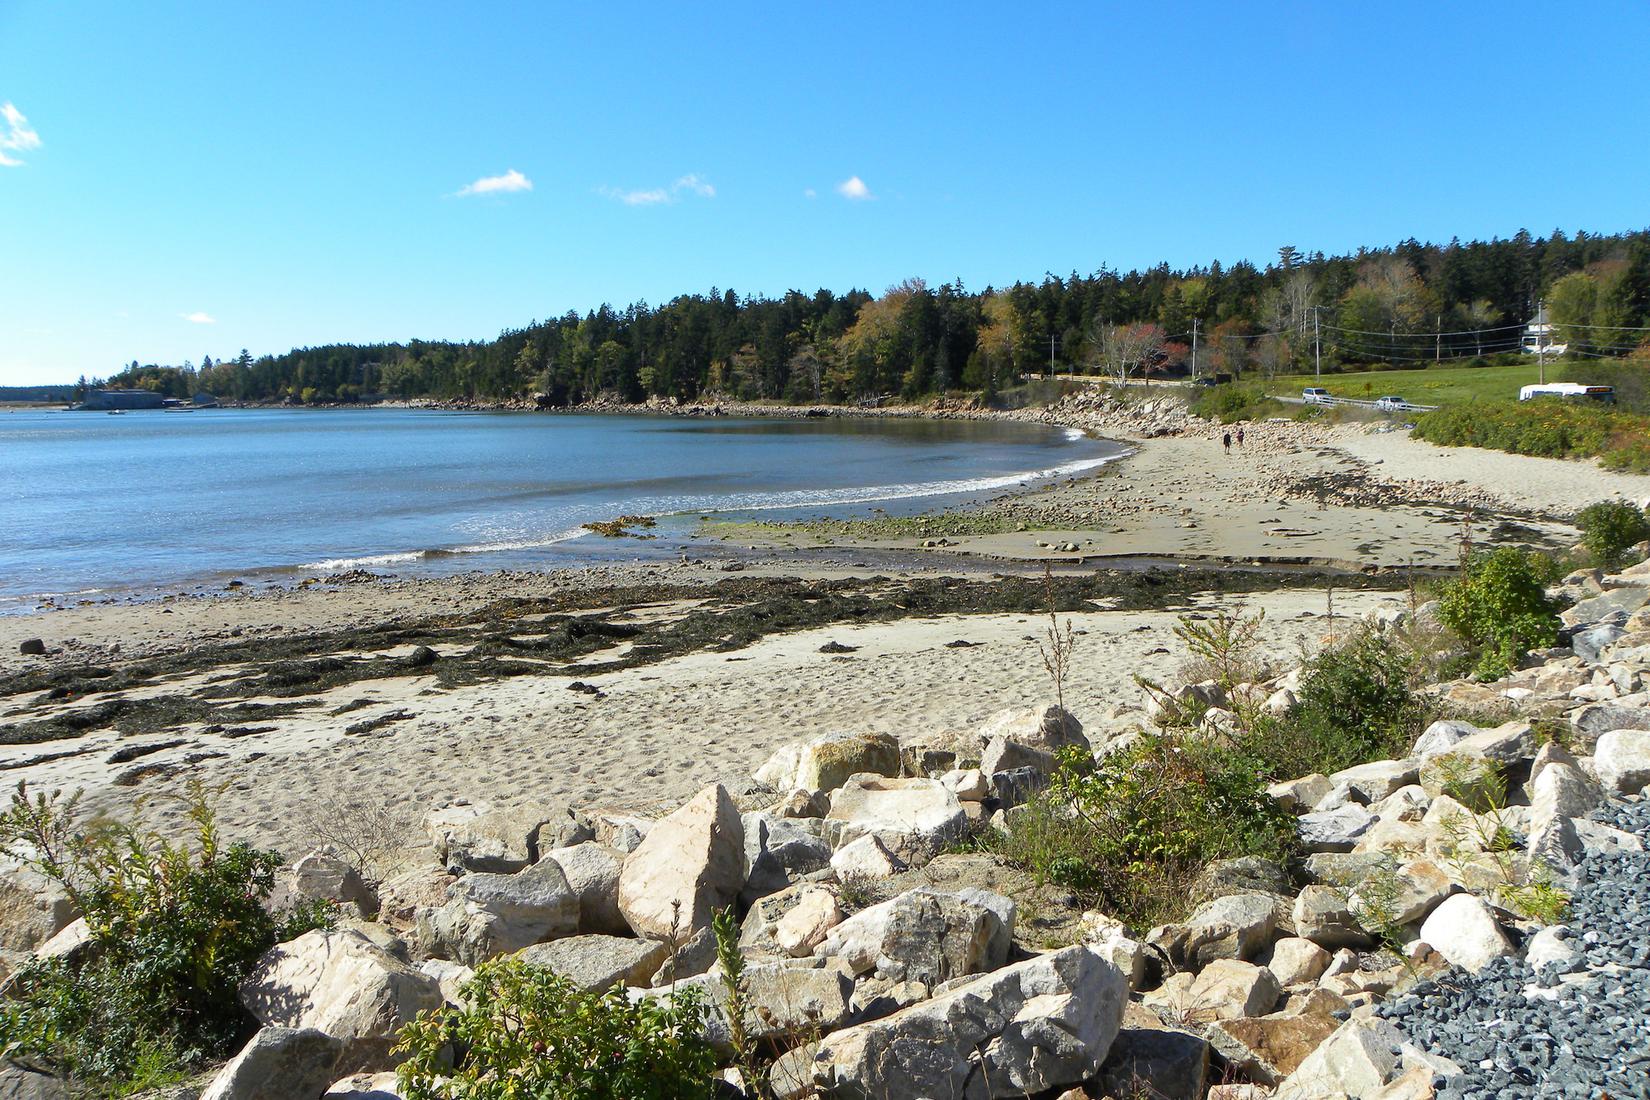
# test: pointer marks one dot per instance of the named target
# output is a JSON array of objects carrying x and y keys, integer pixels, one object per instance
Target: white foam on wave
[{"x": 357, "y": 563}]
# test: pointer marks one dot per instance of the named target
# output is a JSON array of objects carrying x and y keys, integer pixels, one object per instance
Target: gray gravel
[{"x": 1592, "y": 1038}]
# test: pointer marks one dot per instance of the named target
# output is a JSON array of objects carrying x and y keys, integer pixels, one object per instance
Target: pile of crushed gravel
[{"x": 1586, "y": 1033}]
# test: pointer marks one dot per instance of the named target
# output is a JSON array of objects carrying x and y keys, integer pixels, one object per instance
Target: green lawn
[{"x": 1431, "y": 386}]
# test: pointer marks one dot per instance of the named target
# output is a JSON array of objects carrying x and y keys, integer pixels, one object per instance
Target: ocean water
[{"x": 94, "y": 505}]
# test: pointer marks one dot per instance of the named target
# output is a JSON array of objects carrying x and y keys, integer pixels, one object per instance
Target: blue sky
[{"x": 191, "y": 179}]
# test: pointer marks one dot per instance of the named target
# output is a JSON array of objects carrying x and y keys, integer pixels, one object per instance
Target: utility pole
[
  {"x": 1542, "y": 328},
  {"x": 1317, "y": 345},
  {"x": 1194, "y": 347},
  {"x": 1438, "y": 342},
  {"x": 1051, "y": 354}
]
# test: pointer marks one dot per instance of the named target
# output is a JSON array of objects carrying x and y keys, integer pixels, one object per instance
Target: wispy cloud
[
  {"x": 854, "y": 188},
  {"x": 199, "y": 317},
  {"x": 16, "y": 136},
  {"x": 690, "y": 184},
  {"x": 809, "y": 193},
  {"x": 508, "y": 183}
]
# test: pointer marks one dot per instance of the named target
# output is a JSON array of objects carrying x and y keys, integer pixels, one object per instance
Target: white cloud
[
  {"x": 510, "y": 182},
  {"x": 809, "y": 193},
  {"x": 16, "y": 135},
  {"x": 199, "y": 317},
  {"x": 854, "y": 188},
  {"x": 690, "y": 184}
]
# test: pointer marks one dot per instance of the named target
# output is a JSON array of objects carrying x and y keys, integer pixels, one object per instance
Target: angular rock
[
  {"x": 1003, "y": 755},
  {"x": 1300, "y": 795},
  {"x": 1046, "y": 727},
  {"x": 924, "y": 935},
  {"x": 401, "y": 896},
  {"x": 365, "y": 1086},
  {"x": 867, "y": 859},
  {"x": 25, "y": 1083},
  {"x": 1563, "y": 790},
  {"x": 1323, "y": 916},
  {"x": 1359, "y": 1058},
  {"x": 807, "y": 923},
  {"x": 1442, "y": 736},
  {"x": 1294, "y": 960},
  {"x": 1609, "y": 607},
  {"x": 930, "y": 755},
  {"x": 690, "y": 864},
  {"x": 1243, "y": 875},
  {"x": 592, "y": 872},
  {"x": 324, "y": 875},
  {"x": 1622, "y": 760},
  {"x": 825, "y": 762},
  {"x": 914, "y": 818},
  {"x": 778, "y": 851},
  {"x": 1162, "y": 1063},
  {"x": 344, "y": 985},
  {"x": 784, "y": 1002},
  {"x": 1463, "y": 930},
  {"x": 758, "y": 930},
  {"x": 488, "y": 915},
  {"x": 1041, "y": 1024},
  {"x": 968, "y": 785},
  {"x": 1269, "y": 1048},
  {"x": 1412, "y": 891},
  {"x": 477, "y": 836},
  {"x": 1112, "y": 939},
  {"x": 1224, "y": 990},
  {"x": 1238, "y": 926},
  {"x": 33, "y": 909},
  {"x": 1374, "y": 781},
  {"x": 1591, "y": 722},
  {"x": 279, "y": 1063},
  {"x": 596, "y": 963},
  {"x": 1335, "y": 830}
]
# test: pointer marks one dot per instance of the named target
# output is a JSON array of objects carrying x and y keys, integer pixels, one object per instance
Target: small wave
[
  {"x": 370, "y": 559},
  {"x": 520, "y": 544}
]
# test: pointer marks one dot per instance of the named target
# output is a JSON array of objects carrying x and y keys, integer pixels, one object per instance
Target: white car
[
  {"x": 1391, "y": 403},
  {"x": 1315, "y": 395}
]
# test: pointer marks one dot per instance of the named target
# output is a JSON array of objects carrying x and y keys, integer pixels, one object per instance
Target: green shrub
[
  {"x": 1354, "y": 705},
  {"x": 1131, "y": 832},
  {"x": 173, "y": 930},
  {"x": 1609, "y": 529},
  {"x": 1231, "y": 402},
  {"x": 1547, "y": 427},
  {"x": 527, "y": 1032},
  {"x": 1500, "y": 607}
]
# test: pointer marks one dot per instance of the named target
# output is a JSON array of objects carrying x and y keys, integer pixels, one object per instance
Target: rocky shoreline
[{"x": 1442, "y": 937}]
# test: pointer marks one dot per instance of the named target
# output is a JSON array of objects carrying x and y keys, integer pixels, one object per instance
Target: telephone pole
[
  {"x": 1542, "y": 328},
  {"x": 1194, "y": 347},
  {"x": 1438, "y": 343},
  {"x": 1317, "y": 345}
]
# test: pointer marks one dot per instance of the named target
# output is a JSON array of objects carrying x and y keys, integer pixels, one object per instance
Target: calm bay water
[{"x": 91, "y": 503}]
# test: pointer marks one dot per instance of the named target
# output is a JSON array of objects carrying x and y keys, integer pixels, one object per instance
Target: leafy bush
[
  {"x": 1354, "y": 705},
  {"x": 1131, "y": 832},
  {"x": 1232, "y": 402},
  {"x": 1609, "y": 528},
  {"x": 1499, "y": 605},
  {"x": 173, "y": 931},
  {"x": 1549, "y": 428},
  {"x": 528, "y": 1032}
]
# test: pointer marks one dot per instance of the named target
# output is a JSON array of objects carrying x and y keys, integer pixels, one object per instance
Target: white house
[{"x": 1538, "y": 335}]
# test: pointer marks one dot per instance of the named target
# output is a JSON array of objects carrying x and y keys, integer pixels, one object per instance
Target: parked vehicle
[
  {"x": 1391, "y": 403},
  {"x": 1573, "y": 391},
  {"x": 1315, "y": 395}
]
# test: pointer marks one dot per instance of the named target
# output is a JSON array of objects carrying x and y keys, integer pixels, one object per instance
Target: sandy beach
[{"x": 408, "y": 736}]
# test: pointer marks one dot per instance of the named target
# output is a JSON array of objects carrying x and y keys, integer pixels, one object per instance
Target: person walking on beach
[
  {"x": 1226, "y": 441},
  {"x": 1240, "y": 437}
]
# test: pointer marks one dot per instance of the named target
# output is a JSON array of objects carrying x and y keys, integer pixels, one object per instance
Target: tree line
[{"x": 1407, "y": 304}]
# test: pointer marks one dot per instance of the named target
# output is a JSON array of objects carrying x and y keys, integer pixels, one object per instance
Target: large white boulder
[
  {"x": 487, "y": 914},
  {"x": 1622, "y": 760},
  {"x": 778, "y": 851},
  {"x": 33, "y": 909},
  {"x": 1047, "y": 728},
  {"x": 1464, "y": 931},
  {"x": 478, "y": 836},
  {"x": 1044, "y": 1023},
  {"x": 914, "y": 818},
  {"x": 690, "y": 864},
  {"x": 925, "y": 935},
  {"x": 824, "y": 763},
  {"x": 279, "y": 1063},
  {"x": 1356, "y": 1062},
  {"x": 343, "y": 984},
  {"x": 596, "y": 963},
  {"x": 592, "y": 871}
]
